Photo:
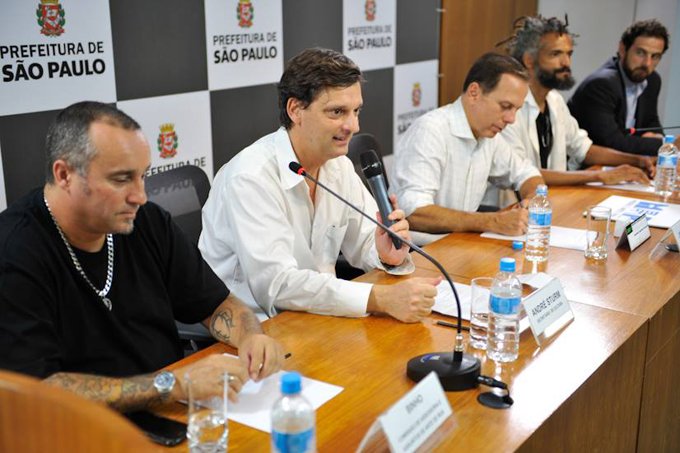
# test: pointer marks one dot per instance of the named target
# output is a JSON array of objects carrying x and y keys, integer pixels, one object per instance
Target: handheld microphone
[
  {"x": 456, "y": 370},
  {"x": 373, "y": 171},
  {"x": 633, "y": 130}
]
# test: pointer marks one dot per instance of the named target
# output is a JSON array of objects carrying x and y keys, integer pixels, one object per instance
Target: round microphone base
[{"x": 454, "y": 376}]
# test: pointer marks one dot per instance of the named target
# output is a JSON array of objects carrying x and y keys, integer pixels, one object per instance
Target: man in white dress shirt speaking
[
  {"x": 275, "y": 236},
  {"x": 445, "y": 159}
]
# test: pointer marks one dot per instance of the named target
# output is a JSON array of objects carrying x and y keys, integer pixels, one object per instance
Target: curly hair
[
  {"x": 650, "y": 28},
  {"x": 528, "y": 31}
]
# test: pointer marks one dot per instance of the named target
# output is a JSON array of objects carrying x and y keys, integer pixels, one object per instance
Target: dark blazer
[{"x": 599, "y": 106}]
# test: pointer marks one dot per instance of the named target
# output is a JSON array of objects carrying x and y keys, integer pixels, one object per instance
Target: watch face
[{"x": 164, "y": 382}]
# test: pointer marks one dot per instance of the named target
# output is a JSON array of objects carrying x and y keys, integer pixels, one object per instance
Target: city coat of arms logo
[
  {"x": 369, "y": 9},
  {"x": 244, "y": 13},
  {"x": 416, "y": 94},
  {"x": 167, "y": 141},
  {"x": 50, "y": 16}
]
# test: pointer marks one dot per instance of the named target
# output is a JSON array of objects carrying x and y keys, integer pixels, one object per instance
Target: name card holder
[
  {"x": 548, "y": 311},
  {"x": 411, "y": 422},
  {"x": 671, "y": 239},
  {"x": 634, "y": 234}
]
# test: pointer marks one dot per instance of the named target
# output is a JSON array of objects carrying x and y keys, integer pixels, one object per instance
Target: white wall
[{"x": 599, "y": 24}]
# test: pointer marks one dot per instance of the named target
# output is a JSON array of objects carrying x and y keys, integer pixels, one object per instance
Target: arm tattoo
[
  {"x": 221, "y": 325},
  {"x": 122, "y": 394}
]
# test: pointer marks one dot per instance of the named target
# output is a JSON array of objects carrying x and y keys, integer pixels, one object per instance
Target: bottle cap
[
  {"x": 507, "y": 264},
  {"x": 517, "y": 245},
  {"x": 291, "y": 383},
  {"x": 669, "y": 138},
  {"x": 541, "y": 189}
]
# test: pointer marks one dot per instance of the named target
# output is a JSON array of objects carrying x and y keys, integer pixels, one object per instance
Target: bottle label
[
  {"x": 504, "y": 305},
  {"x": 667, "y": 161},
  {"x": 301, "y": 442},
  {"x": 540, "y": 218}
]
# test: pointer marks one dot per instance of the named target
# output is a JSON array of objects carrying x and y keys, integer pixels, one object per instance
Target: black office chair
[{"x": 182, "y": 192}]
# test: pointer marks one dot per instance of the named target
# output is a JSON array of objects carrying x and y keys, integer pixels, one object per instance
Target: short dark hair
[
  {"x": 489, "y": 68},
  {"x": 528, "y": 33},
  {"x": 68, "y": 136},
  {"x": 651, "y": 28},
  {"x": 311, "y": 71}
]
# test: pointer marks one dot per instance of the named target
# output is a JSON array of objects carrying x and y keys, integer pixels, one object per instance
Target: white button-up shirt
[
  {"x": 272, "y": 247},
  {"x": 438, "y": 161},
  {"x": 569, "y": 141}
]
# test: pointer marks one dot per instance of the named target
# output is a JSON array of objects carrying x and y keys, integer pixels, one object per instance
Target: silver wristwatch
[{"x": 164, "y": 382}]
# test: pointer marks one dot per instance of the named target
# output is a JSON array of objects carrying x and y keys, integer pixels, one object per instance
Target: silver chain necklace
[{"x": 109, "y": 265}]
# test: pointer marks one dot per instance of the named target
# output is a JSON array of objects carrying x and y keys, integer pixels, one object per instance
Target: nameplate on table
[
  {"x": 413, "y": 419},
  {"x": 675, "y": 231},
  {"x": 548, "y": 310},
  {"x": 635, "y": 233}
]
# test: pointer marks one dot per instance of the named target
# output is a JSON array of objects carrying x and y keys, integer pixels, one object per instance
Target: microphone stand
[{"x": 456, "y": 370}]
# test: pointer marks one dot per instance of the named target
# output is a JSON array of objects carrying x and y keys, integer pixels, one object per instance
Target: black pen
[{"x": 454, "y": 326}]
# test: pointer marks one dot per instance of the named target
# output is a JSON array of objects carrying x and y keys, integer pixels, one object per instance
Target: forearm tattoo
[
  {"x": 122, "y": 394},
  {"x": 221, "y": 325}
]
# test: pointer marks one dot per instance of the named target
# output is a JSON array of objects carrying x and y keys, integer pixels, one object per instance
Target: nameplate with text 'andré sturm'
[{"x": 548, "y": 310}]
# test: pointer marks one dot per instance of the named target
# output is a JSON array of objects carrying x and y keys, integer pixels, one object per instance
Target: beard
[
  {"x": 550, "y": 80},
  {"x": 636, "y": 75}
]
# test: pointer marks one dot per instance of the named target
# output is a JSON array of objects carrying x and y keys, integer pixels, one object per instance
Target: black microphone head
[
  {"x": 370, "y": 164},
  {"x": 296, "y": 168}
]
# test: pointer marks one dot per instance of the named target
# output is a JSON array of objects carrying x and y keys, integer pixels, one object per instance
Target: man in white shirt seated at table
[
  {"x": 544, "y": 130},
  {"x": 274, "y": 237},
  {"x": 444, "y": 160}
]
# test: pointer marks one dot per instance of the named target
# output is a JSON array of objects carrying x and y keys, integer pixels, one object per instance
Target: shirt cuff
[{"x": 405, "y": 268}]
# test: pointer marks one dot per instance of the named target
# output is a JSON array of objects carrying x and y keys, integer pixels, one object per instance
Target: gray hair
[
  {"x": 529, "y": 30},
  {"x": 68, "y": 136}
]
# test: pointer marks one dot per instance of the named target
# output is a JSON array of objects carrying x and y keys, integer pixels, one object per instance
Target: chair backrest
[
  {"x": 37, "y": 417},
  {"x": 181, "y": 191},
  {"x": 357, "y": 146}
]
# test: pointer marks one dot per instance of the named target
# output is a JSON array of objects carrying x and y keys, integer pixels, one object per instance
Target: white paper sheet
[
  {"x": 256, "y": 399},
  {"x": 560, "y": 237},
  {"x": 630, "y": 186},
  {"x": 445, "y": 303},
  {"x": 659, "y": 214}
]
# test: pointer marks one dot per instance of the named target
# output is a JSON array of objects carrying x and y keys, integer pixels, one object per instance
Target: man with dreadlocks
[{"x": 544, "y": 130}]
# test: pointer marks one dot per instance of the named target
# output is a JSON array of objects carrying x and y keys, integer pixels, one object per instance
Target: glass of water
[
  {"x": 597, "y": 232},
  {"x": 207, "y": 391},
  {"x": 480, "y": 290}
]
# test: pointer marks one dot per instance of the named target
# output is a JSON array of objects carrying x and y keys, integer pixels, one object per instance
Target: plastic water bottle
[
  {"x": 538, "y": 233},
  {"x": 666, "y": 167},
  {"x": 293, "y": 420},
  {"x": 504, "y": 305}
]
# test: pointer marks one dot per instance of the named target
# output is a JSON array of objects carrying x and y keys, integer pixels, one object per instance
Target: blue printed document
[{"x": 659, "y": 214}]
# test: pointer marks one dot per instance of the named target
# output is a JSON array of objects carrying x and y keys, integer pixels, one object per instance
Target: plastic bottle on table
[
  {"x": 538, "y": 232},
  {"x": 293, "y": 419},
  {"x": 504, "y": 306},
  {"x": 666, "y": 167}
]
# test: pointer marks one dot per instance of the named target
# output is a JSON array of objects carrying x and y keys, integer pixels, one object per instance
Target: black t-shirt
[{"x": 50, "y": 318}]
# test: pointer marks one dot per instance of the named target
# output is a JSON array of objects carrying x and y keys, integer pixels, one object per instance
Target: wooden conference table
[{"x": 606, "y": 382}]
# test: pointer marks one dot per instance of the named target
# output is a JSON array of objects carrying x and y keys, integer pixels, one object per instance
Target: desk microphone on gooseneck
[
  {"x": 456, "y": 370},
  {"x": 633, "y": 130}
]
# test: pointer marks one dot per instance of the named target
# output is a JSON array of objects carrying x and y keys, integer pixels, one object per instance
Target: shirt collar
[
  {"x": 284, "y": 156},
  {"x": 458, "y": 122}
]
